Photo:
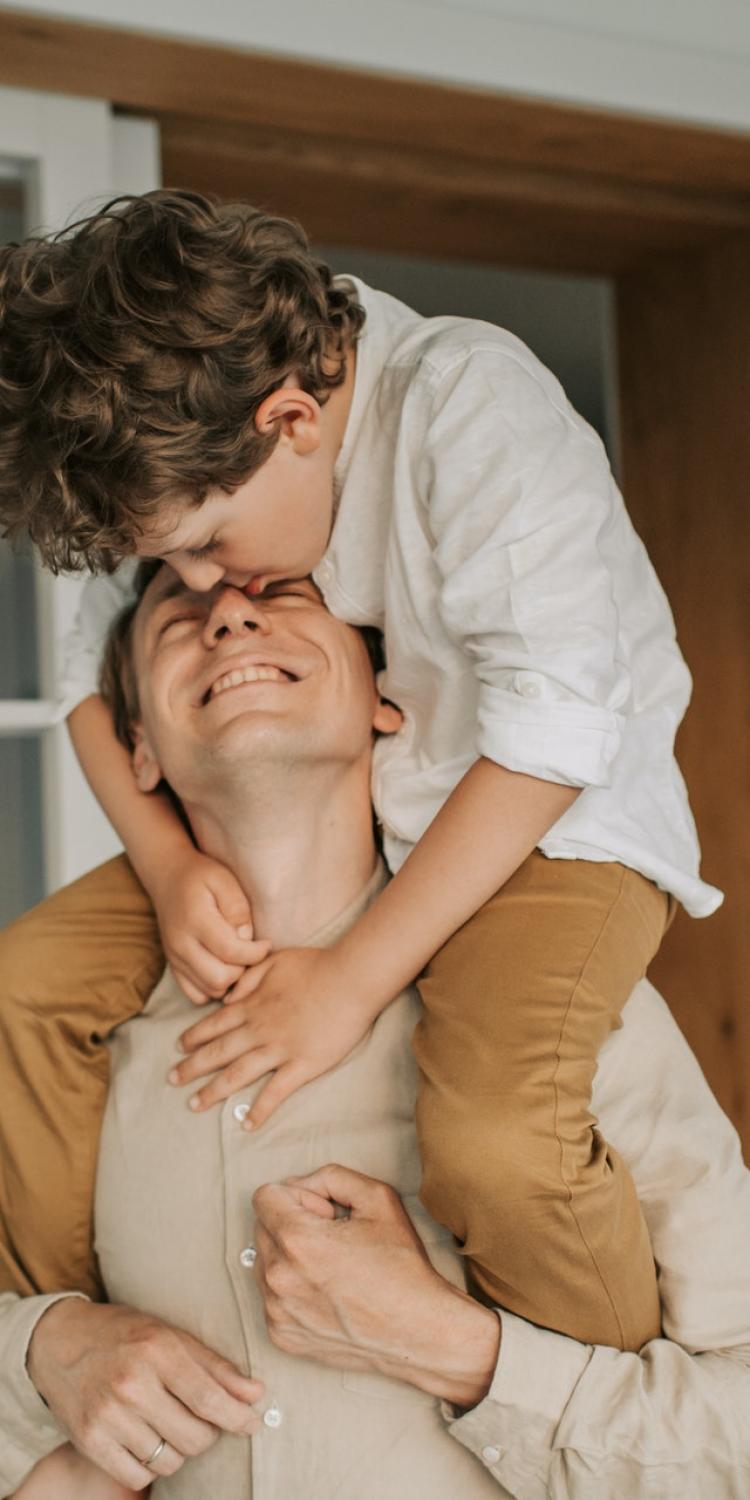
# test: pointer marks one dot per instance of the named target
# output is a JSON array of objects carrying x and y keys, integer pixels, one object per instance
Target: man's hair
[
  {"x": 117, "y": 679},
  {"x": 135, "y": 349}
]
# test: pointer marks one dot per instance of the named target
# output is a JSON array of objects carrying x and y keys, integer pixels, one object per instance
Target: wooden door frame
[{"x": 396, "y": 163}]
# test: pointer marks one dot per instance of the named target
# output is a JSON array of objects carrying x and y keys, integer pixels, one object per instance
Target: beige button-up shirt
[{"x": 563, "y": 1420}]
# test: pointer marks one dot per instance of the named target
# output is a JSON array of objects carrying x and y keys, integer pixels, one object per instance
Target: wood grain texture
[
  {"x": 412, "y": 200},
  {"x": 684, "y": 338}
]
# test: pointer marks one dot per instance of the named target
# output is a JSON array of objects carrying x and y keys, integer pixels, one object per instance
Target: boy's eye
[{"x": 196, "y": 553}]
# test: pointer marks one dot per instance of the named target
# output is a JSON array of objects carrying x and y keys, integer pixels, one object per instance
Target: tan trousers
[
  {"x": 516, "y": 1007},
  {"x": 70, "y": 971}
]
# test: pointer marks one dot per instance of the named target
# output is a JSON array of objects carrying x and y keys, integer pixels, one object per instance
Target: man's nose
[{"x": 232, "y": 613}]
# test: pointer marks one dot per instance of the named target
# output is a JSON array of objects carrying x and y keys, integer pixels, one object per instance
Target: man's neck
[{"x": 302, "y": 850}]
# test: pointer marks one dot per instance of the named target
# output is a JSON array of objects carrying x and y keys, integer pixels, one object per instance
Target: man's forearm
[{"x": 490, "y": 824}]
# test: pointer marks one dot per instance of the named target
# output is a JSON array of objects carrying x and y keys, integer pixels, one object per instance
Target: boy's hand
[
  {"x": 295, "y": 1015},
  {"x": 206, "y": 926}
]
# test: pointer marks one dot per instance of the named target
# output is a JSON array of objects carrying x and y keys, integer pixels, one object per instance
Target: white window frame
[{"x": 74, "y": 154}]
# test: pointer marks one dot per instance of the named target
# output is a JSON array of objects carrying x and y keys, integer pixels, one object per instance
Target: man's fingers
[
  {"x": 285, "y": 1081},
  {"x": 199, "y": 1387},
  {"x": 181, "y": 1429},
  {"x": 243, "y": 1387},
  {"x": 140, "y": 1438},
  {"x": 118, "y": 1461},
  {"x": 362, "y": 1194}
]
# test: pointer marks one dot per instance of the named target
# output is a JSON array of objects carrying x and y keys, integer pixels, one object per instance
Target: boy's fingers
[
  {"x": 285, "y": 1081},
  {"x": 237, "y": 1075},
  {"x": 211, "y": 974},
  {"x": 248, "y": 982},
  {"x": 198, "y": 996},
  {"x": 217, "y": 1024},
  {"x": 224, "y": 943},
  {"x": 209, "y": 1058},
  {"x": 229, "y": 897}
]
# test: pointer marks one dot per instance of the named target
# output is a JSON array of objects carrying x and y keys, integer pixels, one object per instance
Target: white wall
[{"x": 684, "y": 59}]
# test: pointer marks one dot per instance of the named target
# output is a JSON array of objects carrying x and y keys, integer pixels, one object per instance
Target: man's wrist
[{"x": 457, "y": 1357}]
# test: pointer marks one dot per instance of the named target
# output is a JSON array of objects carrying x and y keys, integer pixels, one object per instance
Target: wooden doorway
[{"x": 397, "y": 164}]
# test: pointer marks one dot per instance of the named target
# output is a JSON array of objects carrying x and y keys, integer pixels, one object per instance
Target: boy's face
[{"x": 275, "y": 525}]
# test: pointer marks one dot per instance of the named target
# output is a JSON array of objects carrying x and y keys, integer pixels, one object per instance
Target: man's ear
[
  {"x": 295, "y": 413},
  {"x": 387, "y": 718},
  {"x": 146, "y": 768}
]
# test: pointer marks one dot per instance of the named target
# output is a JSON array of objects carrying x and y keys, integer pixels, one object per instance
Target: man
[{"x": 260, "y": 716}]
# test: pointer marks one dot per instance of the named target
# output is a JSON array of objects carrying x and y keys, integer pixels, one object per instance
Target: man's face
[{"x": 221, "y": 676}]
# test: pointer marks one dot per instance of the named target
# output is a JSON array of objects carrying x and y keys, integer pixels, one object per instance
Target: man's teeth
[{"x": 248, "y": 674}]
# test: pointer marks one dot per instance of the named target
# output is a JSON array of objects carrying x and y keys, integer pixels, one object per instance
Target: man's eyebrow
[{"x": 171, "y": 591}]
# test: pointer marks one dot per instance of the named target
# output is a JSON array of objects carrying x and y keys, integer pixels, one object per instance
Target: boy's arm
[
  {"x": 200, "y": 906},
  {"x": 304, "y": 1009},
  {"x": 489, "y": 825}
]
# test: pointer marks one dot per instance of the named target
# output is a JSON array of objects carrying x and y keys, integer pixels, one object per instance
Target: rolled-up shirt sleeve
[
  {"x": 28, "y": 1431},
  {"x": 565, "y": 1421},
  {"x": 102, "y": 599},
  {"x": 519, "y": 494}
]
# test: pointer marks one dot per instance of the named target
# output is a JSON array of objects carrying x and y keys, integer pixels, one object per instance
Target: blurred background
[{"x": 576, "y": 171}]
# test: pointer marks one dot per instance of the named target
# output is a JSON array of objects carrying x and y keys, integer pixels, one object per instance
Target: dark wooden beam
[{"x": 415, "y": 200}]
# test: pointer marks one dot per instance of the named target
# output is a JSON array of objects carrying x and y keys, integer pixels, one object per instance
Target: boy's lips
[{"x": 256, "y": 585}]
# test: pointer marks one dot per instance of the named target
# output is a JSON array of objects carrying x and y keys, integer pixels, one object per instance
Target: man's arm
[
  {"x": 114, "y": 1380},
  {"x": 28, "y": 1431},
  {"x": 556, "y": 1418}
]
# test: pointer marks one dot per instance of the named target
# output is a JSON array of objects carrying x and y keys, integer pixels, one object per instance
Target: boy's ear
[
  {"x": 146, "y": 768},
  {"x": 296, "y": 413},
  {"x": 387, "y": 718}
]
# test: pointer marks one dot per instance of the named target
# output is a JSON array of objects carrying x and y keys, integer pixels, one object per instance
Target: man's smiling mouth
[{"x": 239, "y": 676}]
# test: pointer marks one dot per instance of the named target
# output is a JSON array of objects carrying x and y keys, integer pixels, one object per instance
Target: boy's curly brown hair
[{"x": 135, "y": 349}]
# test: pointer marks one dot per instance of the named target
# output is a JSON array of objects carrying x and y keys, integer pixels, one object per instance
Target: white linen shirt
[
  {"x": 561, "y": 1420},
  {"x": 479, "y": 526}
]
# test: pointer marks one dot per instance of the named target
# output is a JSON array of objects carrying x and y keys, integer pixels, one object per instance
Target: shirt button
[
  {"x": 248, "y": 1256},
  {"x": 272, "y": 1417},
  {"x": 491, "y": 1455},
  {"x": 529, "y": 690},
  {"x": 241, "y": 1112}
]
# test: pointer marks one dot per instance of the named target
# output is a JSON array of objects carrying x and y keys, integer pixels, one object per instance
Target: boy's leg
[
  {"x": 71, "y": 970},
  {"x": 517, "y": 1005}
]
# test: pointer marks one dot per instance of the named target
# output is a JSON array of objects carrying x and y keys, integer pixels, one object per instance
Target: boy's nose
[
  {"x": 232, "y": 613},
  {"x": 199, "y": 575}
]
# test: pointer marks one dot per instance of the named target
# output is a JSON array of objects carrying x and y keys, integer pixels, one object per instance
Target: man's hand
[
  {"x": 360, "y": 1292},
  {"x": 295, "y": 1015},
  {"x": 119, "y": 1381},
  {"x": 206, "y": 926}
]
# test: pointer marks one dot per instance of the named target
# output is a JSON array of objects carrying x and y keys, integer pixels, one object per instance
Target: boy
[{"x": 183, "y": 379}]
